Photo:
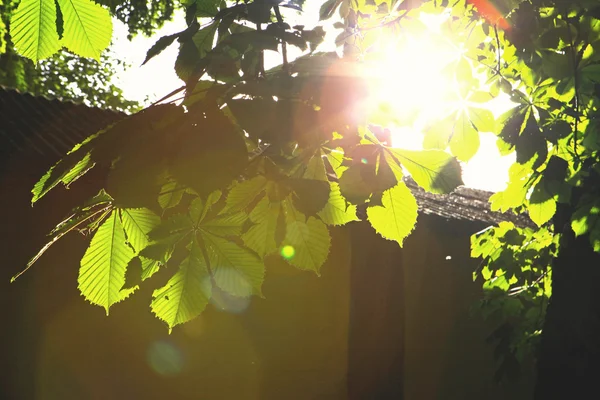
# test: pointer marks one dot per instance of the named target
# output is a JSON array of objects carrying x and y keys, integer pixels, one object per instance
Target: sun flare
[{"x": 410, "y": 85}]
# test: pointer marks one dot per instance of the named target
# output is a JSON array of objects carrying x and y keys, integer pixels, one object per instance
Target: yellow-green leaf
[
  {"x": 187, "y": 293},
  {"x": 33, "y": 29},
  {"x": 243, "y": 193},
  {"x": 398, "y": 215},
  {"x": 434, "y": 170},
  {"x": 235, "y": 269},
  {"x": 137, "y": 223},
  {"x": 316, "y": 168},
  {"x": 87, "y": 27},
  {"x": 102, "y": 273},
  {"x": 62, "y": 172},
  {"x": 171, "y": 195},
  {"x": 540, "y": 213},
  {"x": 261, "y": 236},
  {"x": 337, "y": 211},
  {"x": 310, "y": 241},
  {"x": 465, "y": 138}
]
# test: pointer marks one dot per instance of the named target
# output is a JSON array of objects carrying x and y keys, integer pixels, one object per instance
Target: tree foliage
[
  {"x": 69, "y": 75},
  {"x": 258, "y": 163}
]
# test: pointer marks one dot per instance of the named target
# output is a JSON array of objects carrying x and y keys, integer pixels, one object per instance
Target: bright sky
[{"x": 487, "y": 170}]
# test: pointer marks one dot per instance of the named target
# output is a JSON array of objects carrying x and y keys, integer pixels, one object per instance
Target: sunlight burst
[{"x": 410, "y": 85}]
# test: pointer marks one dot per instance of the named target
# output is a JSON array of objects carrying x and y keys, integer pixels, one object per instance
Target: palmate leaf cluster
[
  {"x": 256, "y": 162},
  {"x": 544, "y": 55},
  {"x": 546, "y": 60},
  {"x": 253, "y": 164}
]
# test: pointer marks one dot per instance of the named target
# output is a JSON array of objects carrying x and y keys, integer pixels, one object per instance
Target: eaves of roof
[
  {"x": 52, "y": 127},
  {"x": 49, "y": 127}
]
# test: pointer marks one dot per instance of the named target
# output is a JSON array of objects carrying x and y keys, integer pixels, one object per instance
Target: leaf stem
[{"x": 286, "y": 67}]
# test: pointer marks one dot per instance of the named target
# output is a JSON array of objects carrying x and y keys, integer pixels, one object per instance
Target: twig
[
  {"x": 286, "y": 67},
  {"x": 261, "y": 55},
  {"x": 576, "y": 84}
]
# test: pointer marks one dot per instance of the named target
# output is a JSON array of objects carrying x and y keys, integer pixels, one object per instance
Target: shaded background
[{"x": 380, "y": 323}]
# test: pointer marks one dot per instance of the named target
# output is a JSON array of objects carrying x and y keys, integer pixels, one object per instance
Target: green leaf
[
  {"x": 87, "y": 27},
  {"x": 465, "y": 138},
  {"x": 261, "y": 236},
  {"x": 149, "y": 267},
  {"x": 235, "y": 269},
  {"x": 187, "y": 59},
  {"x": 482, "y": 119},
  {"x": 137, "y": 223},
  {"x": 200, "y": 208},
  {"x": 434, "y": 170},
  {"x": 160, "y": 45},
  {"x": 356, "y": 181},
  {"x": 207, "y": 8},
  {"x": 225, "y": 224},
  {"x": 62, "y": 172},
  {"x": 33, "y": 29},
  {"x": 438, "y": 135},
  {"x": 586, "y": 217},
  {"x": 94, "y": 206},
  {"x": 542, "y": 204},
  {"x": 310, "y": 241},
  {"x": 187, "y": 293},
  {"x": 204, "y": 38},
  {"x": 170, "y": 195},
  {"x": 540, "y": 213},
  {"x": 103, "y": 266},
  {"x": 398, "y": 215},
  {"x": 337, "y": 211},
  {"x": 309, "y": 195},
  {"x": 95, "y": 209},
  {"x": 316, "y": 168},
  {"x": 243, "y": 193},
  {"x": 328, "y": 8}
]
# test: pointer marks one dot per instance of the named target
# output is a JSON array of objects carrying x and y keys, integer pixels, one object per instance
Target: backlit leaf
[
  {"x": 356, "y": 181},
  {"x": 187, "y": 293},
  {"x": 87, "y": 27},
  {"x": 540, "y": 213},
  {"x": 337, "y": 211},
  {"x": 261, "y": 236},
  {"x": 170, "y": 195},
  {"x": 434, "y": 170},
  {"x": 149, "y": 267},
  {"x": 585, "y": 217},
  {"x": 102, "y": 273},
  {"x": 225, "y": 224},
  {"x": 235, "y": 269},
  {"x": 316, "y": 168},
  {"x": 33, "y": 29},
  {"x": 243, "y": 193},
  {"x": 398, "y": 215},
  {"x": 310, "y": 241},
  {"x": 64, "y": 172},
  {"x": 137, "y": 223},
  {"x": 464, "y": 142}
]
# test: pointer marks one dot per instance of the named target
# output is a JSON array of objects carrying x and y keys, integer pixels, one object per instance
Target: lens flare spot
[
  {"x": 364, "y": 160},
  {"x": 164, "y": 358},
  {"x": 227, "y": 303},
  {"x": 288, "y": 252}
]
